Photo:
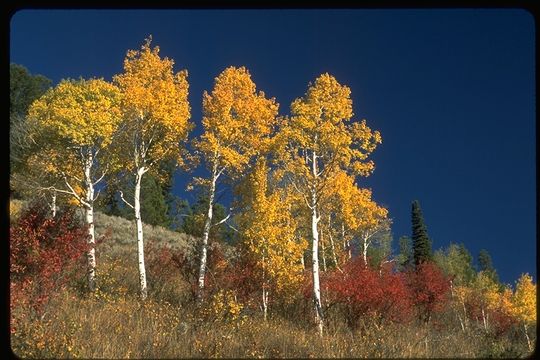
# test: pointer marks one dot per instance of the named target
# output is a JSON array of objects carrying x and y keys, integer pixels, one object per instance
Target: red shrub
[
  {"x": 365, "y": 291},
  {"x": 165, "y": 263},
  {"x": 430, "y": 289},
  {"x": 43, "y": 252}
]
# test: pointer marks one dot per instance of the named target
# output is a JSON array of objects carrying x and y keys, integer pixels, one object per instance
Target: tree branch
[
  {"x": 102, "y": 175},
  {"x": 232, "y": 227},
  {"x": 73, "y": 192},
  {"x": 97, "y": 195},
  {"x": 124, "y": 200},
  {"x": 224, "y": 219}
]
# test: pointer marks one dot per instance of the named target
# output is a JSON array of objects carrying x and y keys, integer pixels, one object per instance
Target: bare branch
[
  {"x": 97, "y": 195},
  {"x": 102, "y": 175},
  {"x": 293, "y": 183},
  {"x": 224, "y": 219},
  {"x": 232, "y": 227},
  {"x": 73, "y": 192},
  {"x": 124, "y": 200},
  {"x": 220, "y": 172}
]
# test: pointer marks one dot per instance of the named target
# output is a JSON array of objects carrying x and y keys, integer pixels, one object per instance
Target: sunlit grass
[{"x": 113, "y": 323}]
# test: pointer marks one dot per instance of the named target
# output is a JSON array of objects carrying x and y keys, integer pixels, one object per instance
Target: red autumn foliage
[
  {"x": 430, "y": 289},
  {"x": 43, "y": 252},
  {"x": 364, "y": 291},
  {"x": 165, "y": 263},
  {"x": 237, "y": 274}
]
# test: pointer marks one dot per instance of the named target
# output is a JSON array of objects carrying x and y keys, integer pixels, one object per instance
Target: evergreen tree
[
  {"x": 420, "y": 239},
  {"x": 485, "y": 264},
  {"x": 154, "y": 209},
  {"x": 24, "y": 89}
]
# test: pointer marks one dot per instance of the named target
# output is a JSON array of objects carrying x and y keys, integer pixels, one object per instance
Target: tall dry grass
[{"x": 114, "y": 324}]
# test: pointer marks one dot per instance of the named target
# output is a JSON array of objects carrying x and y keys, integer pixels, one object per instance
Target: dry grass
[
  {"x": 113, "y": 323},
  {"x": 123, "y": 327}
]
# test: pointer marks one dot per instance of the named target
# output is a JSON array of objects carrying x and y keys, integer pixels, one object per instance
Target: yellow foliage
[
  {"x": 524, "y": 304},
  {"x": 320, "y": 125},
  {"x": 80, "y": 112},
  {"x": 354, "y": 205},
  {"x": 155, "y": 105},
  {"x": 268, "y": 232},
  {"x": 224, "y": 306},
  {"x": 486, "y": 291},
  {"x": 237, "y": 121},
  {"x": 15, "y": 208},
  {"x": 72, "y": 123}
]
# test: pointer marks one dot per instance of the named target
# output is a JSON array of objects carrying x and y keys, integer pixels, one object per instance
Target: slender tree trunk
[
  {"x": 140, "y": 237},
  {"x": 346, "y": 242},
  {"x": 206, "y": 233},
  {"x": 527, "y": 336},
  {"x": 265, "y": 302},
  {"x": 89, "y": 216},
  {"x": 332, "y": 248},
  {"x": 484, "y": 320},
  {"x": 455, "y": 309},
  {"x": 53, "y": 204},
  {"x": 364, "y": 249},
  {"x": 315, "y": 252},
  {"x": 323, "y": 252},
  {"x": 302, "y": 261},
  {"x": 464, "y": 313},
  {"x": 334, "y": 256}
]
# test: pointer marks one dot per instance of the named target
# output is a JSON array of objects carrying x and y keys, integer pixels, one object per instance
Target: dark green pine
[
  {"x": 485, "y": 264},
  {"x": 421, "y": 243}
]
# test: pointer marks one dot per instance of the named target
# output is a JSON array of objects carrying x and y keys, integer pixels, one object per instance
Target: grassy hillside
[{"x": 114, "y": 323}]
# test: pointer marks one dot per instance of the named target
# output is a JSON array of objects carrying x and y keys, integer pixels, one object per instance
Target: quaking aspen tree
[
  {"x": 267, "y": 230},
  {"x": 362, "y": 216},
  {"x": 237, "y": 121},
  {"x": 318, "y": 140},
  {"x": 77, "y": 122},
  {"x": 524, "y": 304},
  {"x": 155, "y": 123}
]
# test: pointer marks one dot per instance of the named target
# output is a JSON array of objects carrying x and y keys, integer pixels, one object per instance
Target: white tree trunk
[
  {"x": 454, "y": 306},
  {"x": 53, "y": 204},
  {"x": 334, "y": 257},
  {"x": 315, "y": 252},
  {"x": 265, "y": 302},
  {"x": 484, "y": 320},
  {"x": 315, "y": 270},
  {"x": 364, "y": 248},
  {"x": 323, "y": 253},
  {"x": 346, "y": 242},
  {"x": 89, "y": 217},
  {"x": 527, "y": 336},
  {"x": 140, "y": 237},
  {"x": 206, "y": 233}
]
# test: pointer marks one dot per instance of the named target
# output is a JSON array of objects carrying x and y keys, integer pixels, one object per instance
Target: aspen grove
[{"x": 298, "y": 263}]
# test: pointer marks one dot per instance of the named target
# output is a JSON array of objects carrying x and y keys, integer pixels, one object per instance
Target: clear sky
[{"x": 451, "y": 91}]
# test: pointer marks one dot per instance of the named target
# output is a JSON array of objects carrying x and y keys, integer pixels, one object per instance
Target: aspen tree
[
  {"x": 156, "y": 116},
  {"x": 237, "y": 121},
  {"x": 318, "y": 140},
  {"x": 361, "y": 215},
  {"x": 267, "y": 230},
  {"x": 524, "y": 304},
  {"x": 77, "y": 121}
]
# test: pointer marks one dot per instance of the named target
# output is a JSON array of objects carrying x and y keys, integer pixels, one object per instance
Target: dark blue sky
[{"x": 451, "y": 91}]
